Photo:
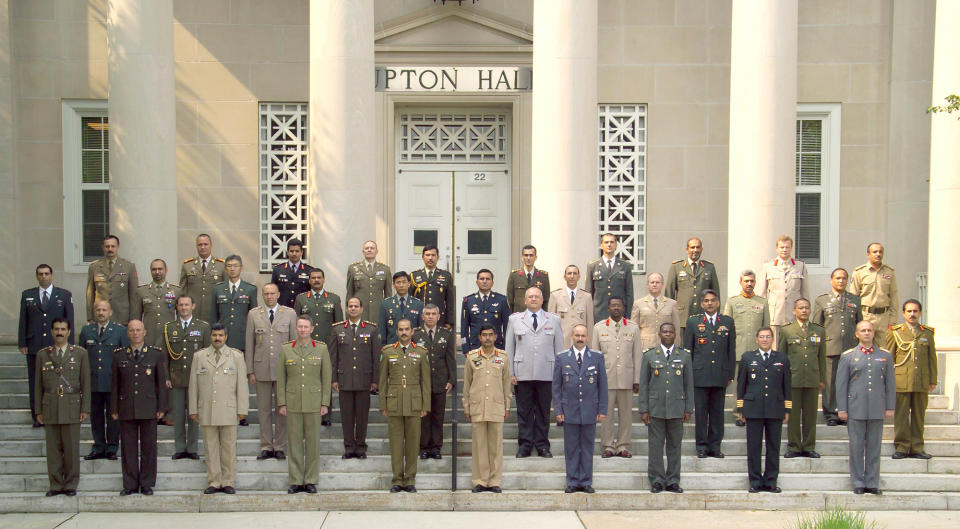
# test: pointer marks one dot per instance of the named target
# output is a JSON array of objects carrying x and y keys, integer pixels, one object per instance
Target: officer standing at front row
[
  {"x": 912, "y": 346},
  {"x": 486, "y": 404}
]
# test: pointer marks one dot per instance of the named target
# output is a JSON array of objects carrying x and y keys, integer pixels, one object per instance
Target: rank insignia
[
  {"x": 656, "y": 372},
  {"x": 678, "y": 372},
  {"x": 149, "y": 371},
  {"x": 701, "y": 327},
  {"x": 591, "y": 380}
]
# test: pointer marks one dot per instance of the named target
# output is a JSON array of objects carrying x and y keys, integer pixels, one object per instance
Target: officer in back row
[
  {"x": 433, "y": 285},
  {"x": 113, "y": 279},
  {"x": 355, "y": 356},
  {"x": 483, "y": 308},
  {"x": 101, "y": 338},
  {"x": 607, "y": 277},
  {"x": 876, "y": 284},
  {"x": 155, "y": 302},
  {"x": 370, "y": 281},
  {"x": 838, "y": 312},
  {"x": 686, "y": 281},
  {"x": 292, "y": 277},
  {"x": 525, "y": 277},
  {"x": 198, "y": 275},
  {"x": 397, "y": 307},
  {"x": 440, "y": 344}
]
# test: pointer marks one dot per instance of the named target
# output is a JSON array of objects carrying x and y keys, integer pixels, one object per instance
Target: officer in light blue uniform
[{"x": 579, "y": 401}]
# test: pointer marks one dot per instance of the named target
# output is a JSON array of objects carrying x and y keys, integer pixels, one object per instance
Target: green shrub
[{"x": 835, "y": 519}]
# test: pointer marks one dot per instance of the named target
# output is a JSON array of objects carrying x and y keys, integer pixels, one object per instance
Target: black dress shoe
[
  {"x": 396, "y": 488},
  {"x": 841, "y": 422},
  {"x": 348, "y": 455},
  {"x": 570, "y": 489},
  {"x": 920, "y": 455},
  {"x": 544, "y": 453},
  {"x": 360, "y": 455},
  {"x": 193, "y": 455},
  {"x": 279, "y": 455},
  {"x": 94, "y": 456},
  {"x": 326, "y": 422},
  {"x": 588, "y": 489},
  {"x": 436, "y": 455},
  {"x": 146, "y": 491},
  {"x": 478, "y": 488},
  {"x": 211, "y": 490},
  {"x": 876, "y": 492},
  {"x": 790, "y": 454},
  {"x": 859, "y": 490},
  {"x": 243, "y": 422},
  {"x": 112, "y": 456},
  {"x": 310, "y": 488},
  {"x": 813, "y": 454},
  {"x": 702, "y": 454},
  {"x": 72, "y": 492},
  {"x": 424, "y": 454},
  {"x": 656, "y": 488},
  {"x": 127, "y": 492},
  {"x": 51, "y": 493},
  {"x": 898, "y": 455},
  {"x": 410, "y": 488},
  {"x": 753, "y": 490},
  {"x": 718, "y": 455},
  {"x": 178, "y": 455},
  {"x": 774, "y": 489},
  {"x": 832, "y": 422},
  {"x": 293, "y": 489},
  {"x": 523, "y": 453},
  {"x": 496, "y": 490},
  {"x": 673, "y": 487},
  {"x": 740, "y": 423},
  {"x": 264, "y": 454},
  {"x": 228, "y": 490}
]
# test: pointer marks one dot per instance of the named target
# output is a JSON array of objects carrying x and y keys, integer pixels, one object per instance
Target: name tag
[{"x": 591, "y": 368}]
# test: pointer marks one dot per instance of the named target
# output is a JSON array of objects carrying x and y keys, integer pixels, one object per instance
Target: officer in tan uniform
[
  {"x": 525, "y": 277},
  {"x": 155, "y": 303},
  {"x": 619, "y": 340},
  {"x": 574, "y": 305},
  {"x": 876, "y": 284},
  {"x": 652, "y": 311},
  {"x": 805, "y": 344},
  {"x": 113, "y": 279},
  {"x": 782, "y": 281},
  {"x": 915, "y": 364},
  {"x": 687, "y": 279},
  {"x": 486, "y": 404},
  {"x": 199, "y": 274},
  {"x": 370, "y": 281},
  {"x": 750, "y": 313},
  {"x": 838, "y": 312},
  {"x": 183, "y": 337}
]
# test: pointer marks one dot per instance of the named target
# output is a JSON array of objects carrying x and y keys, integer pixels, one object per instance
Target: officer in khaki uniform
[
  {"x": 404, "y": 400},
  {"x": 915, "y": 366},
  {"x": 876, "y": 284},
  {"x": 432, "y": 285},
  {"x": 687, "y": 279},
  {"x": 62, "y": 400},
  {"x": 607, "y": 277},
  {"x": 486, "y": 404},
  {"x": 183, "y": 337},
  {"x": 783, "y": 281},
  {"x": 652, "y": 311},
  {"x": 441, "y": 345},
  {"x": 750, "y": 312},
  {"x": 322, "y": 307},
  {"x": 370, "y": 281},
  {"x": 838, "y": 312},
  {"x": 199, "y": 274},
  {"x": 525, "y": 277},
  {"x": 155, "y": 303},
  {"x": 233, "y": 299},
  {"x": 113, "y": 279},
  {"x": 303, "y": 397},
  {"x": 355, "y": 354},
  {"x": 805, "y": 344},
  {"x": 574, "y": 305}
]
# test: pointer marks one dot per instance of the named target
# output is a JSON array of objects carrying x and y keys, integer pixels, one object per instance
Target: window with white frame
[
  {"x": 284, "y": 144},
  {"x": 622, "y": 179},
  {"x": 817, "y": 184},
  {"x": 86, "y": 181}
]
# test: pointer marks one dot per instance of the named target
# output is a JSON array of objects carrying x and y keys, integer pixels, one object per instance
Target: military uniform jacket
[
  {"x": 323, "y": 309},
  {"x": 866, "y": 383},
  {"x": 649, "y": 319},
  {"x": 100, "y": 351},
  {"x": 685, "y": 286},
  {"x": 439, "y": 290},
  {"x": 877, "y": 289},
  {"x": 475, "y": 312},
  {"x": 371, "y": 287},
  {"x": 265, "y": 339},
  {"x": 290, "y": 283},
  {"x": 155, "y": 304},
  {"x": 230, "y": 310},
  {"x": 763, "y": 388},
  {"x": 580, "y": 392},
  {"x": 199, "y": 284},
  {"x": 532, "y": 352},
  {"x": 807, "y": 352},
  {"x": 404, "y": 380},
  {"x": 355, "y": 357},
  {"x": 118, "y": 286},
  {"x": 603, "y": 284},
  {"x": 63, "y": 385},
  {"x": 304, "y": 377},
  {"x": 666, "y": 385},
  {"x": 138, "y": 390},
  {"x": 181, "y": 345},
  {"x": 749, "y": 315},
  {"x": 783, "y": 283},
  {"x": 440, "y": 354},
  {"x": 517, "y": 286},
  {"x": 839, "y": 317},
  {"x": 218, "y": 390},
  {"x": 486, "y": 385},
  {"x": 580, "y": 312},
  {"x": 622, "y": 350},
  {"x": 33, "y": 332},
  {"x": 390, "y": 314},
  {"x": 915, "y": 357},
  {"x": 713, "y": 350}
]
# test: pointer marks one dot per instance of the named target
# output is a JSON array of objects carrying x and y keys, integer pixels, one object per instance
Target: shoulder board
[
  {"x": 516, "y": 270},
  {"x": 154, "y": 347},
  {"x": 388, "y": 346},
  {"x": 290, "y": 342},
  {"x": 865, "y": 265},
  {"x": 594, "y": 261},
  {"x": 370, "y": 323},
  {"x": 185, "y": 261},
  {"x": 48, "y": 349},
  {"x": 927, "y": 327},
  {"x": 144, "y": 285},
  {"x": 219, "y": 260},
  {"x": 848, "y": 351},
  {"x": 342, "y": 322},
  {"x": 544, "y": 272},
  {"x": 678, "y": 261},
  {"x": 71, "y": 348},
  {"x": 557, "y": 290},
  {"x": 888, "y": 266},
  {"x": 116, "y": 349},
  {"x": 704, "y": 261},
  {"x": 896, "y": 327}
]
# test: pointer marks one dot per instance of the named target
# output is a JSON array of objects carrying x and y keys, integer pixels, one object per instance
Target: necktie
[
  {"x": 534, "y": 321},
  {"x": 764, "y": 355},
  {"x": 46, "y": 297},
  {"x": 203, "y": 267},
  {"x": 233, "y": 290},
  {"x": 218, "y": 356},
  {"x": 693, "y": 268},
  {"x": 404, "y": 349},
  {"x": 668, "y": 353},
  {"x": 100, "y": 334},
  {"x": 271, "y": 316},
  {"x": 610, "y": 265},
  {"x": 579, "y": 359},
  {"x": 617, "y": 326},
  {"x": 431, "y": 335},
  {"x": 403, "y": 306},
  {"x": 530, "y": 278},
  {"x": 369, "y": 268},
  {"x": 572, "y": 295},
  {"x": 353, "y": 328},
  {"x": 136, "y": 355},
  {"x": 109, "y": 267},
  {"x": 60, "y": 354},
  {"x": 184, "y": 326},
  {"x": 656, "y": 304}
]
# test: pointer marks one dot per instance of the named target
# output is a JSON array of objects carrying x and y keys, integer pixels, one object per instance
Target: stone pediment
[{"x": 453, "y": 29}]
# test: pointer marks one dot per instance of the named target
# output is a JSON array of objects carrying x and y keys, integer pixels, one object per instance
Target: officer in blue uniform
[
  {"x": 293, "y": 277},
  {"x": 483, "y": 308},
  {"x": 101, "y": 338},
  {"x": 579, "y": 402}
]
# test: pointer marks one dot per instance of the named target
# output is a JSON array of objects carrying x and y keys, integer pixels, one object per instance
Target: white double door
[{"x": 465, "y": 213}]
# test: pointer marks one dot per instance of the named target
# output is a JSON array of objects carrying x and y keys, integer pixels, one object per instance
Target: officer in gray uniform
[
  {"x": 838, "y": 312},
  {"x": 666, "y": 402}
]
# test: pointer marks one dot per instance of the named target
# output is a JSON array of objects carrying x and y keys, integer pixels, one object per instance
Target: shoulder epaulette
[
  {"x": 155, "y": 348},
  {"x": 341, "y": 322},
  {"x": 516, "y": 270},
  {"x": 185, "y": 261},
  {"x": 896, "y": 327},
  {"x": 705, "y": 261},
  {"x": 119, "y": 349},
  {"x": 543, "y": 271},
  {"x": 927, "y": 327},
  {"x": 593, "y": 261},
  {"x": 888, "y": 266},
  {"x": 865, "y": 265},
  {"x": 290, "y": 342},
  {"x": 370, "y": 323},
  {"x": 678, "y": 261},
  {"x": 219, "y": 260}
]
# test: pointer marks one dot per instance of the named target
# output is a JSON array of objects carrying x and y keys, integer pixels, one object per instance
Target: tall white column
[
  {"x": 141, "y": 109},
  {"x": 8, "y": 186},
  {"x": 763, "y": 111},
  {"x": 342, "y": 135},
  {"x": 563, "y": 224}
]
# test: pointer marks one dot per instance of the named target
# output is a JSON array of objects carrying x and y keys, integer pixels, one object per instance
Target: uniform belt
[
  {"x": 876, "y": 310},
  {"x": 61, "y": 390}
]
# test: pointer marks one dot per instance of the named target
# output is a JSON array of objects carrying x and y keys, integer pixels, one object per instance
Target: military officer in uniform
[
  {"x": 652, "y": 311},
  {"x": 138, "y": 399},
  {"x": 915, "y": 365},
  {"x": 440, "y": 344},
  {"x": 579, "y": 402},
  {"x": 404, "y": 401},
  {"x": 322, "y": 307},
  {"x": 838, "y": 312},
  {"x": 370, "y": 281},
  {"x": 155, "y": 303},
  {"x": 687, "y": 279},
  {"x": 355, "y": 354},
  {"x": 198, "y": 275},
  {"x": 764, "y": 401},
  {"x": 303, "y": 397},
  {"x": 484, "y": 307},
  {"x": 293, "y": 277},
  {"x": 876, "y": 284},
  {"x": 783, "y": 281},
  {"x": 62, "y": 401},
  {"x": 618, "y": 339},
  {"x": 433, "y": 285},
  {"x": 608, "y": 276},
  {"x": 101, "y": 338},
  {"x": 525, "y": 277},
  {"x": 113, "y": 279},
  {"x": 397, "y": 307},
  {"x": 750, "y": 312},
  {"x": 486, "y": 404},
  {"x": 573, "y": 304},
  {"x": 233, "y": 299},
  {"x": 866, "y": 395},
  {"x": 805, "y": 344},
  {"x": 183, "y": 337},
  {"x": 38, "y": 307}
]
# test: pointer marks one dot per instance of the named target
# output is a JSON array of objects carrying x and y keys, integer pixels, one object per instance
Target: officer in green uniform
[
  {"x": 433, "y": 285},
  {"x": 322, "y": 307},
  {"x": 805, "y": 344},
  {"x": 608, "y": 277},
  {"x": 198, "y": 275},
  {"x": 838, "y": 312},
  {"x": 370, "y": 281},
  {"x": 182, "y": 338},
  {"x": 63, "y": 402},
  {"x": 915, "y": 365},
  {"x": 113, "y": 279},
  {"x": 398, "y": 307},
  {"x": 441, "y": 343},
  {"x": 155, "y": 303},
  {"x": 233, "y": 299},
  {"x": 303, "y": 397},
  {"x": 523, "y": 278},
  {"x": 687, "y": 279},
  {"x": 404, "y": 400}
]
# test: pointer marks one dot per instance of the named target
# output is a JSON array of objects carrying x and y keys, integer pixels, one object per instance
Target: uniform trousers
[
  {"x": 106, "y": 431},
  {"x": 431, "y": 426},
  {"x": 865, "y": 435},
  {"x": 354, "y": 414},
  {"x": 63, "y": 455},
  {"x": 31, "y": 381},
  {"x": 273, "y": 426},
  {"x": 221, "y": 445},
  {"x": 533, "y": 414},
  {"x": 578, "y": 442},
  {"x": 908, "y": 422},
  {"x": 762, "y": 432},
  {"x": 708, "y": 403},
  {"x": 660, "y": 432},
  {"x": 185, "y": 431},
  {"x": 620, "y": 399},
  {"x": 138, "y": 459},
  {"x": 304, "y": 435},
  {"x": 487, "y": 461},
  {"x": 829, "y": 399},
  {"x": 802, "y": 426},
  {"x": 404, "y": 433}
]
